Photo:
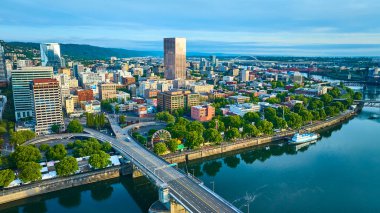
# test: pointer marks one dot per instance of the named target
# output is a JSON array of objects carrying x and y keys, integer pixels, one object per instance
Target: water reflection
[
  {"x": 232, "y": 161},
  {"x": 101, "y": 192},
  {"x": 36, "y": 207}
]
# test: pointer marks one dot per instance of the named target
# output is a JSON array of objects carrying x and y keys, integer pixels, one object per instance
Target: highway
[{"x": 194, "y": 196}]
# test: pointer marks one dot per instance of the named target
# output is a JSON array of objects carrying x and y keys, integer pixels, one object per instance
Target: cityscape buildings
[
  {"x": 21, "y": 80},
  {"x": 175, "y": 58},
  {"x": 47, "y": 105},
  {"x": 3, "y": 70},
  {"x": 51, "y": 56},
  {"x": 107, "y": 91}
]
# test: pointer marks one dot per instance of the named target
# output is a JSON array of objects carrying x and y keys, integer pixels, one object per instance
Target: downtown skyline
[{"x": 301, "y": 28}]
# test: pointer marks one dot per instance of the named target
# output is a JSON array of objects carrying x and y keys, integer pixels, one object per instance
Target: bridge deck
[{"x": 192, "y": 195}]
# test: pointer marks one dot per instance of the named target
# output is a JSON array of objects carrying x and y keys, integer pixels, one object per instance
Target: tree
[
  {"x": 279, "y": 123},
  {"x": 99, "y": 160},
  {"x": 265, "y": 127},
  {"x": 193, "y": 139},
  {"x": 57, "y": 152},
  {"x": 87, "y": 147},
  {"x": 216, "y": 123},
  {"x": 294, "y": 120},
  {"x": 274, "y": 100},
  {"x": 75, "y": 126},
  {"x": 298, "y": 107},
  {"x": 26, "y": 154},
  {"x": 56, "y": 128},
  {"x": 250, "y": 130},
  {"x": 270, "y": 114},
  {"x": 29, "y": 171},
  {"x": 232, "y": 134},
  {"x": 306, "y": 115},
  {"x": 172, "y": 144},
  {"x": 67, "y": 166},
  {"x": 315, "y": 104},
  {"x": 233, "y": 121},
  {"x": 335, "y": 92},
  {"x": 331, "y": 111},
  {"x": 20, "y": 137},
  {"x": 358, "y": 96},
  {"x": 44, "y": 147},
  {"x": 322, "y": 114},
  {"x": 182, "y": 121},
  {"x": 160, "y": 148},
  {"x": 6, "y": 177},
  {"x": 122, "y": 119},
  {"x": 196, "y": 126},
  {"x": 106, "y": 147},
  {"x": 165, "y": 116},
  {"x": 3, "y": 130},
  {"x": 327, "y": 99},
  {"x": 212, "y": 135},
  {"x": 250, "y": 117}
]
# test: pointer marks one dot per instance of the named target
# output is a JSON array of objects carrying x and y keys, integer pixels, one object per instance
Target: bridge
[
  {"x": 369, "y": 103},
  {"x": 184, "y": 189}
]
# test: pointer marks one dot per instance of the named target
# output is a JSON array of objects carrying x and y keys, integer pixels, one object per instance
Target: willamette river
[{"x": 340, "y": 173}]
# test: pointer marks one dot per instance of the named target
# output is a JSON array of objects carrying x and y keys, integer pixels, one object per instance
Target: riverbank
[
  {"x": 251, "y": 142},
  {"x": 46, "y": 186}
]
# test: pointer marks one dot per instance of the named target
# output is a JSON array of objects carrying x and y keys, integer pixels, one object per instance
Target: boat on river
[{"x": 299, "y": 138}]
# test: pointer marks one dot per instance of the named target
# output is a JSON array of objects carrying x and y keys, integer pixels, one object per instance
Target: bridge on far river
[{"x": 172, "y": 183}]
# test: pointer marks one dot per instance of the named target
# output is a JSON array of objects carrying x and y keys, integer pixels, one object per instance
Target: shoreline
[{"x": 225, "y": 147}]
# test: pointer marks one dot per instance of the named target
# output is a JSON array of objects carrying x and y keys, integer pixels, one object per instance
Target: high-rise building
[
  {"x": 47, "y": 105},
  {"x": 77, "y": 68},
  {"x": 107, "y": 91},
  {"x": 177, "y": 99},
  {"x": 175, "y": 58},
  {"x": 213, "y": 60},
  {"x": 244, "y": 75},
  {"x": 3, "y": 70},
  {"x": 21, "y": 80},
  {"x": 51, "y": 56}
]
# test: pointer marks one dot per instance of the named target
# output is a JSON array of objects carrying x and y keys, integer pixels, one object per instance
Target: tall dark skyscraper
[{"x": 175, "y": 58}]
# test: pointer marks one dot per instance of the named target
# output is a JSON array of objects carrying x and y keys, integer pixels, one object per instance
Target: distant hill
[{"x": 86, "y": 52}]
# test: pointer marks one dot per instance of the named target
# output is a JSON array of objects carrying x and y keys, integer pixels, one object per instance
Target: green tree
[
  {"x": 250, "y": 130},
  {"x": 182, "y": 121},
  {"x": 193, "y": 139},
  {"x": 232, "y": 134},
  {"x": 270, "y": 114},
  {"x": 331, "y": 111},
  {"x": 29, "y": 171},
  {"x": 335, "y": 92},
  {"x": 75, "y": 126},
  {"x": 327, "y": 99},
  {"x": 294, "y": 120},
  {"x": 57, "y": 152},
  {"x": 172, "y": 145},
  {"x": 44, "y": 147},
  {"x": 233, "y": 121},
  {"x": 160, "y": 148},
  {"x": 306, "y": 115},
  {"x": 106, "y": 147},
  {"x": 273, "y": 100},
  {"x": 122, "y": 119},
  {"x": 216, "y": 123},
  {"x": 67, "y": 166},
  {"x": 165, "y": 116},
  {"x": 99, "y": 160},
  {"x": 20, "y": 137},
  {"x": 265, "y": 127},
  {"x": 279, "y": 123},
  {"x": 26, "y": 154},
  {"x": 196, "y": 126},
  {"x": 56, "y": 128},
  {"x": 322, "y": 114},
  {"x": 298, "y": 107},
  {"x": 212, "y": 135},
  {"x": 3, "y": 130},
  {"x": 358, "y": 96},
  {"x": 315, "y": 104},
  {"x": 250, "y": 117},
  {"x": 6, "y": 177}
]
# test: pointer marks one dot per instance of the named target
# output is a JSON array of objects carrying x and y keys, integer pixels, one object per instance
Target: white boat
[{"x": 303, "y": 138}]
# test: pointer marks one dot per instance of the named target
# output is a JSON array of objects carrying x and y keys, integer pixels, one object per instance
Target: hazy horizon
[{"x": 274, "y": 27}]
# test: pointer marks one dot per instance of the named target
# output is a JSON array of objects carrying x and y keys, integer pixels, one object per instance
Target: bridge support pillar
[
  {"x": 136, "y": 173},
  {"x": 176, "y": 207}
]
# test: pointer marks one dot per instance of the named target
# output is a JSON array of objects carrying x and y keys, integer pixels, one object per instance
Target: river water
[{"x": 339, "y": 173}]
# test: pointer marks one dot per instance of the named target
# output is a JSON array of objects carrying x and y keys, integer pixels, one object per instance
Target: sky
[{"x": 246, "y": 27}]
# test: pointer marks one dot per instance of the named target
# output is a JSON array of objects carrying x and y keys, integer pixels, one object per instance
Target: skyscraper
[
  {"x": 3, "y": 71},
  {"x": 21, "y": 80},
  {"x": 51, "y": 56},
  {"x": 175, "y": 58},
  {"x": 47, "y": 104}
]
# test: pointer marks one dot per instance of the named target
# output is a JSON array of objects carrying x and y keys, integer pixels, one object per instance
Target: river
[{"x": 339, "y": 173}]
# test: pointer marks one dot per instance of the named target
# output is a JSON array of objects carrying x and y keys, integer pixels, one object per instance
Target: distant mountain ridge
[{"x": 87, "y": 52}]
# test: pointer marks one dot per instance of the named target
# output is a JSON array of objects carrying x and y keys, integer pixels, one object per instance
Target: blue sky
[{"x": 255, "y": 27}]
